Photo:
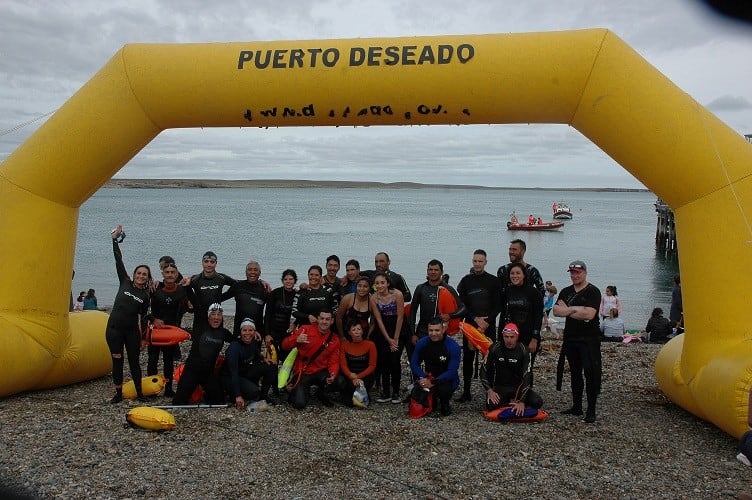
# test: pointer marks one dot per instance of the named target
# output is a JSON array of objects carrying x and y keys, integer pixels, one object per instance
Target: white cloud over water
[{"x": 48, "y": 50}]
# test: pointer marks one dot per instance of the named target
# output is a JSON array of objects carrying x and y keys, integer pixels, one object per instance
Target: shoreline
[{"x": 324, "y": 184}]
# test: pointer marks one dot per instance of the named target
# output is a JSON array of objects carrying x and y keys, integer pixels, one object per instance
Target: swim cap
[
  {"x": 215, "y": 307},
  {"x": 511, "y": 328},
  {"x": 247, "y": 322}
]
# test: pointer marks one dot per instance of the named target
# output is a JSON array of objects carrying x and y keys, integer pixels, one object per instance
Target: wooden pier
[{"x": 665, "y": 231}]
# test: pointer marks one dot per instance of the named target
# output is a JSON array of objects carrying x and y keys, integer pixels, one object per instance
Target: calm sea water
[{"x": 612, "y": 232}]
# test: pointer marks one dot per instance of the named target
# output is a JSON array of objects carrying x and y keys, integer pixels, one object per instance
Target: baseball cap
[
  {"x": 577, "y": 264},
  {"x": 209, "y": 255}
]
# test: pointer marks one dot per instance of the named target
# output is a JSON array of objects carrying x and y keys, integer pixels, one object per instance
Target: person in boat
[
  {"x": 579, "y": 303},
  {"x": 127, "y": 321},
  {"x": 201, "y": 362},
  {"x": 513, "y": 220},
  {"x": 317, "y": 362},
  {"x": 356, "y": 307},
  {"x": 610, "y": 301},
  {"x": 435, "y": 364},
  {"x": 517, "y": 249},
  {"x": 506, "y": 374},
  {"x": 388, "y": 308},
  {"x": 540, "y": 220},
  {"x": 245, "y": 374},
  {"x": 612, "y": 327},
  {"x": 357, "y": 363},
  {"x": 522, "y": 305},
  {"x": 168, "y": 301},
  {"x": 530, "y": 220},
  {"x": 658, "y": 327},
  {"x": 480, "y": 291},
  {"x": 251, "y": 295}
]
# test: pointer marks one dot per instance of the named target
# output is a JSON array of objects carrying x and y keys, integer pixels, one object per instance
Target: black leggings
[
  {"x": 299, "y": 395},
  {"x": 131, "y": 339},
  {"x": 584, "y": 357},
  {"x": 469, "y": 357},
  {"x": 388, "y": 365},
  {"x": 168, "y": 360}
]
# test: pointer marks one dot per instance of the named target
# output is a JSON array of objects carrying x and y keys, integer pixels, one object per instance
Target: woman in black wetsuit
[
  {"x": 127, "y": 320},
  {"x": 522, "y": 304}
]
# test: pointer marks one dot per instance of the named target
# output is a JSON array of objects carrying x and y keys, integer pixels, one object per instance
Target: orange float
[{"x": 476, "y": 338}]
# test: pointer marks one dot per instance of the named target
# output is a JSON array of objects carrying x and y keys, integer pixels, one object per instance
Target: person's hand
[
  {"x": 533, "y": 346},
  {"x": 518, "y": 408},
  {"x": 153, "y": 285},
  {"x": 357, "y": 382},
  {"x": 239, "y": 402},
  {"x": 302, "y": 338},
  {"x": 414, "y": 339},
  {"x": 313, "y": 319},
  {"x": 117, "y": 231},
  {"x": 425, "y": 383},
  {"x": 493, "y": 397},
  {"x": 267, "y": 286},
  {"x": 185, "y": 281},
  {"x": 158, "y": 323},
  {"x": 144, "y": 343},
  {"x": 257, "y": 337},
  {"x": 268, "y": 340},
  {"x": 393, "y": 345},
  {"x": 481, "y": 322},
  {"x": 330, "y": 379},
  {"x": 445, "y": 317},
  {"x": 291, "y": 328}
]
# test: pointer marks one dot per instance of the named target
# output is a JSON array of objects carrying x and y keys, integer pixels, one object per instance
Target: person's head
[
  {"x": 289, "y": 278},
  {"x": 363, "y": 286},
  {"x": 324, "y": 320},
  {"x": 90, "y": 293},
  {"x": 169, "y": 273},
  {"x": 480, "y": 259},
  {"x": 611, "y": 290},
  {"x": 247, "y": 330},
  {"x": 209, "y": 263},
  {"x": 356, "y": 331},
  {"x": 352, "y": 269},
  {"x": 141, "y": 275},
  {"x": 314, "y": 276},
  {"x": 381, "y": 261},
  {"x": 657, "y": 312},
  {"x": 164, "y": 260},
  {"x": 434, "y": 270},
  {"x": 252, "y": 271},
  {"x": 82, "y": 295},
  {"x": 613, "y": 313},
  {"x": 381, "y": 281},
  {"x": 215, "y": 315},
  {"x": 517, "y": 274},
  {"x": 510, "y": 334},
  {"x": 577, "y": 272},
  {"x": 517, "y": 250},
  {"x": 436, "y": 329},
  {"x": 677, "y": 280},
  {"x": 332, "y": 265}
]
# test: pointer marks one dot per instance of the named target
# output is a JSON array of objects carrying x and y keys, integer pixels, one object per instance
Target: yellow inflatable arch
[{"x": 589, "y": 79}]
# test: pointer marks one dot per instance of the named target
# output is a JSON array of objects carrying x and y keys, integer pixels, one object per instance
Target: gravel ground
[{"x": 70, "y": 442}]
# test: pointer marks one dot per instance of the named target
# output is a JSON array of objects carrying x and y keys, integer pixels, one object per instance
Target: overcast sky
[{"x": 49, "y": 49}]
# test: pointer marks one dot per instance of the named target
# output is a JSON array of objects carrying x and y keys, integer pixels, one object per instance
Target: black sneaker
[
  {"x": 324, "y": 398},
  {"x": 590, "y": 417},
  {"x": 168, "y": 393},
  {"x": 116, "y": 398},
  {"x": 143, "y": 399},
  {"x": 446, "y": 410},
  {"x": 466, "y": 397},
  {"x": 572, "y": 411}
]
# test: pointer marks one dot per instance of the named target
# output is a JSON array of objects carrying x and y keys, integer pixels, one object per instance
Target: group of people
[
  {"x": 86, "y": 301},
  {"x": 350, "y": 332}
]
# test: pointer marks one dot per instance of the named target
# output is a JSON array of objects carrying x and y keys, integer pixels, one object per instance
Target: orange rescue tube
[
  {"x": 447, "y": 304},
  {"x": 167, "y": 335},
  {"x": 476, "y": 338}
]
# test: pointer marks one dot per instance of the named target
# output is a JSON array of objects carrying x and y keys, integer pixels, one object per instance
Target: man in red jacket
[{"x": 317, "y": 362}]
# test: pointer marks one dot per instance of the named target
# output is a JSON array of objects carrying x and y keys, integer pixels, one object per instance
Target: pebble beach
[{"x": 70, "y": 442}]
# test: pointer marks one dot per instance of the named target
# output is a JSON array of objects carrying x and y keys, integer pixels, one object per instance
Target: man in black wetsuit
[
  {"x": 207, "y": 287},
  {"x": 199, "y": 367},
  {"x": 245, "y": 374},
  {"x": 480, "y": 291},
  {"x": 579, "y": 304},
  {"x": 250, "y": 298},
  {"x": 330, "y": 281},
  {"x": 506, "y": 374},
  {"x": 426, "y": 300},
  {"x": 349, "y": 282},
  {"x": 517, "y": 249}
]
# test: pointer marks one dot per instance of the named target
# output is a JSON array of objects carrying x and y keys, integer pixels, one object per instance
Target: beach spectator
[
  {"x": 357, "y": 364},
  {"x": 314, "y": 298},
  {"x": 201, "y": 362},
  {"x": 250, "y": 298},
  {"x": 506, "y": 375},
  {"x": 127, "y": 320},
  {"x": 90, "y": 301},
  {"x": 435, "y": 364},
  {"x": 388, "y": 309},
  {"x": 318, "y": 360},
  {"x": 517, "y": 249},
  {"x": 78, "y": 304},
  {"x": 356, "y": 307},
  {"x": 610, "y": 301},
  {"x": 548, "y": 303},
  {"x": 676, "y": 313},
  {"x": 480, "y": 291},
  {"x": 579, "y": 303},
  {"x": 612, "y": 327},
  {"x": 658, "y": 327},
  {"x": 522, "y": 305}
]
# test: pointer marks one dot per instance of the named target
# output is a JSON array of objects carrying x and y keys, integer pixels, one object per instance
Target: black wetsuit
[
  {"x": 208, "y": 290},
  {"x": 244, "y": 370},
  {"x": 127, "y": 321},
  {"x": 507, "y": 371},
  {"x": 523, "y": 306},
  {"x": 334, "y": 288},
  {"x": 250, "y": 299},
  {"x": 533, "y": 278},
  {"x": 581, "y": 347},
  {"x": 167, "y": 306},
  {"x": 481, "y": 294},
  {"x": 395, "y": 281},
  {"x": 311, "y": 302},
  {"x": 199, "y": 367}
]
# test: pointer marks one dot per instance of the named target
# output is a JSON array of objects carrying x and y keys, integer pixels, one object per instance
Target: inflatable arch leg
[{"x": 589, "y": 79}]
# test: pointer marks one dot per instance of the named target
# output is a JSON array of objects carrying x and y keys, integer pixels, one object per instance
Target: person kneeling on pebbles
[
  {"x": 435, "y": 364},
  {"x": 317, "y": 362},
  {"x": 245, "y": 369},
  {"x": 506, "y": 374}
]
